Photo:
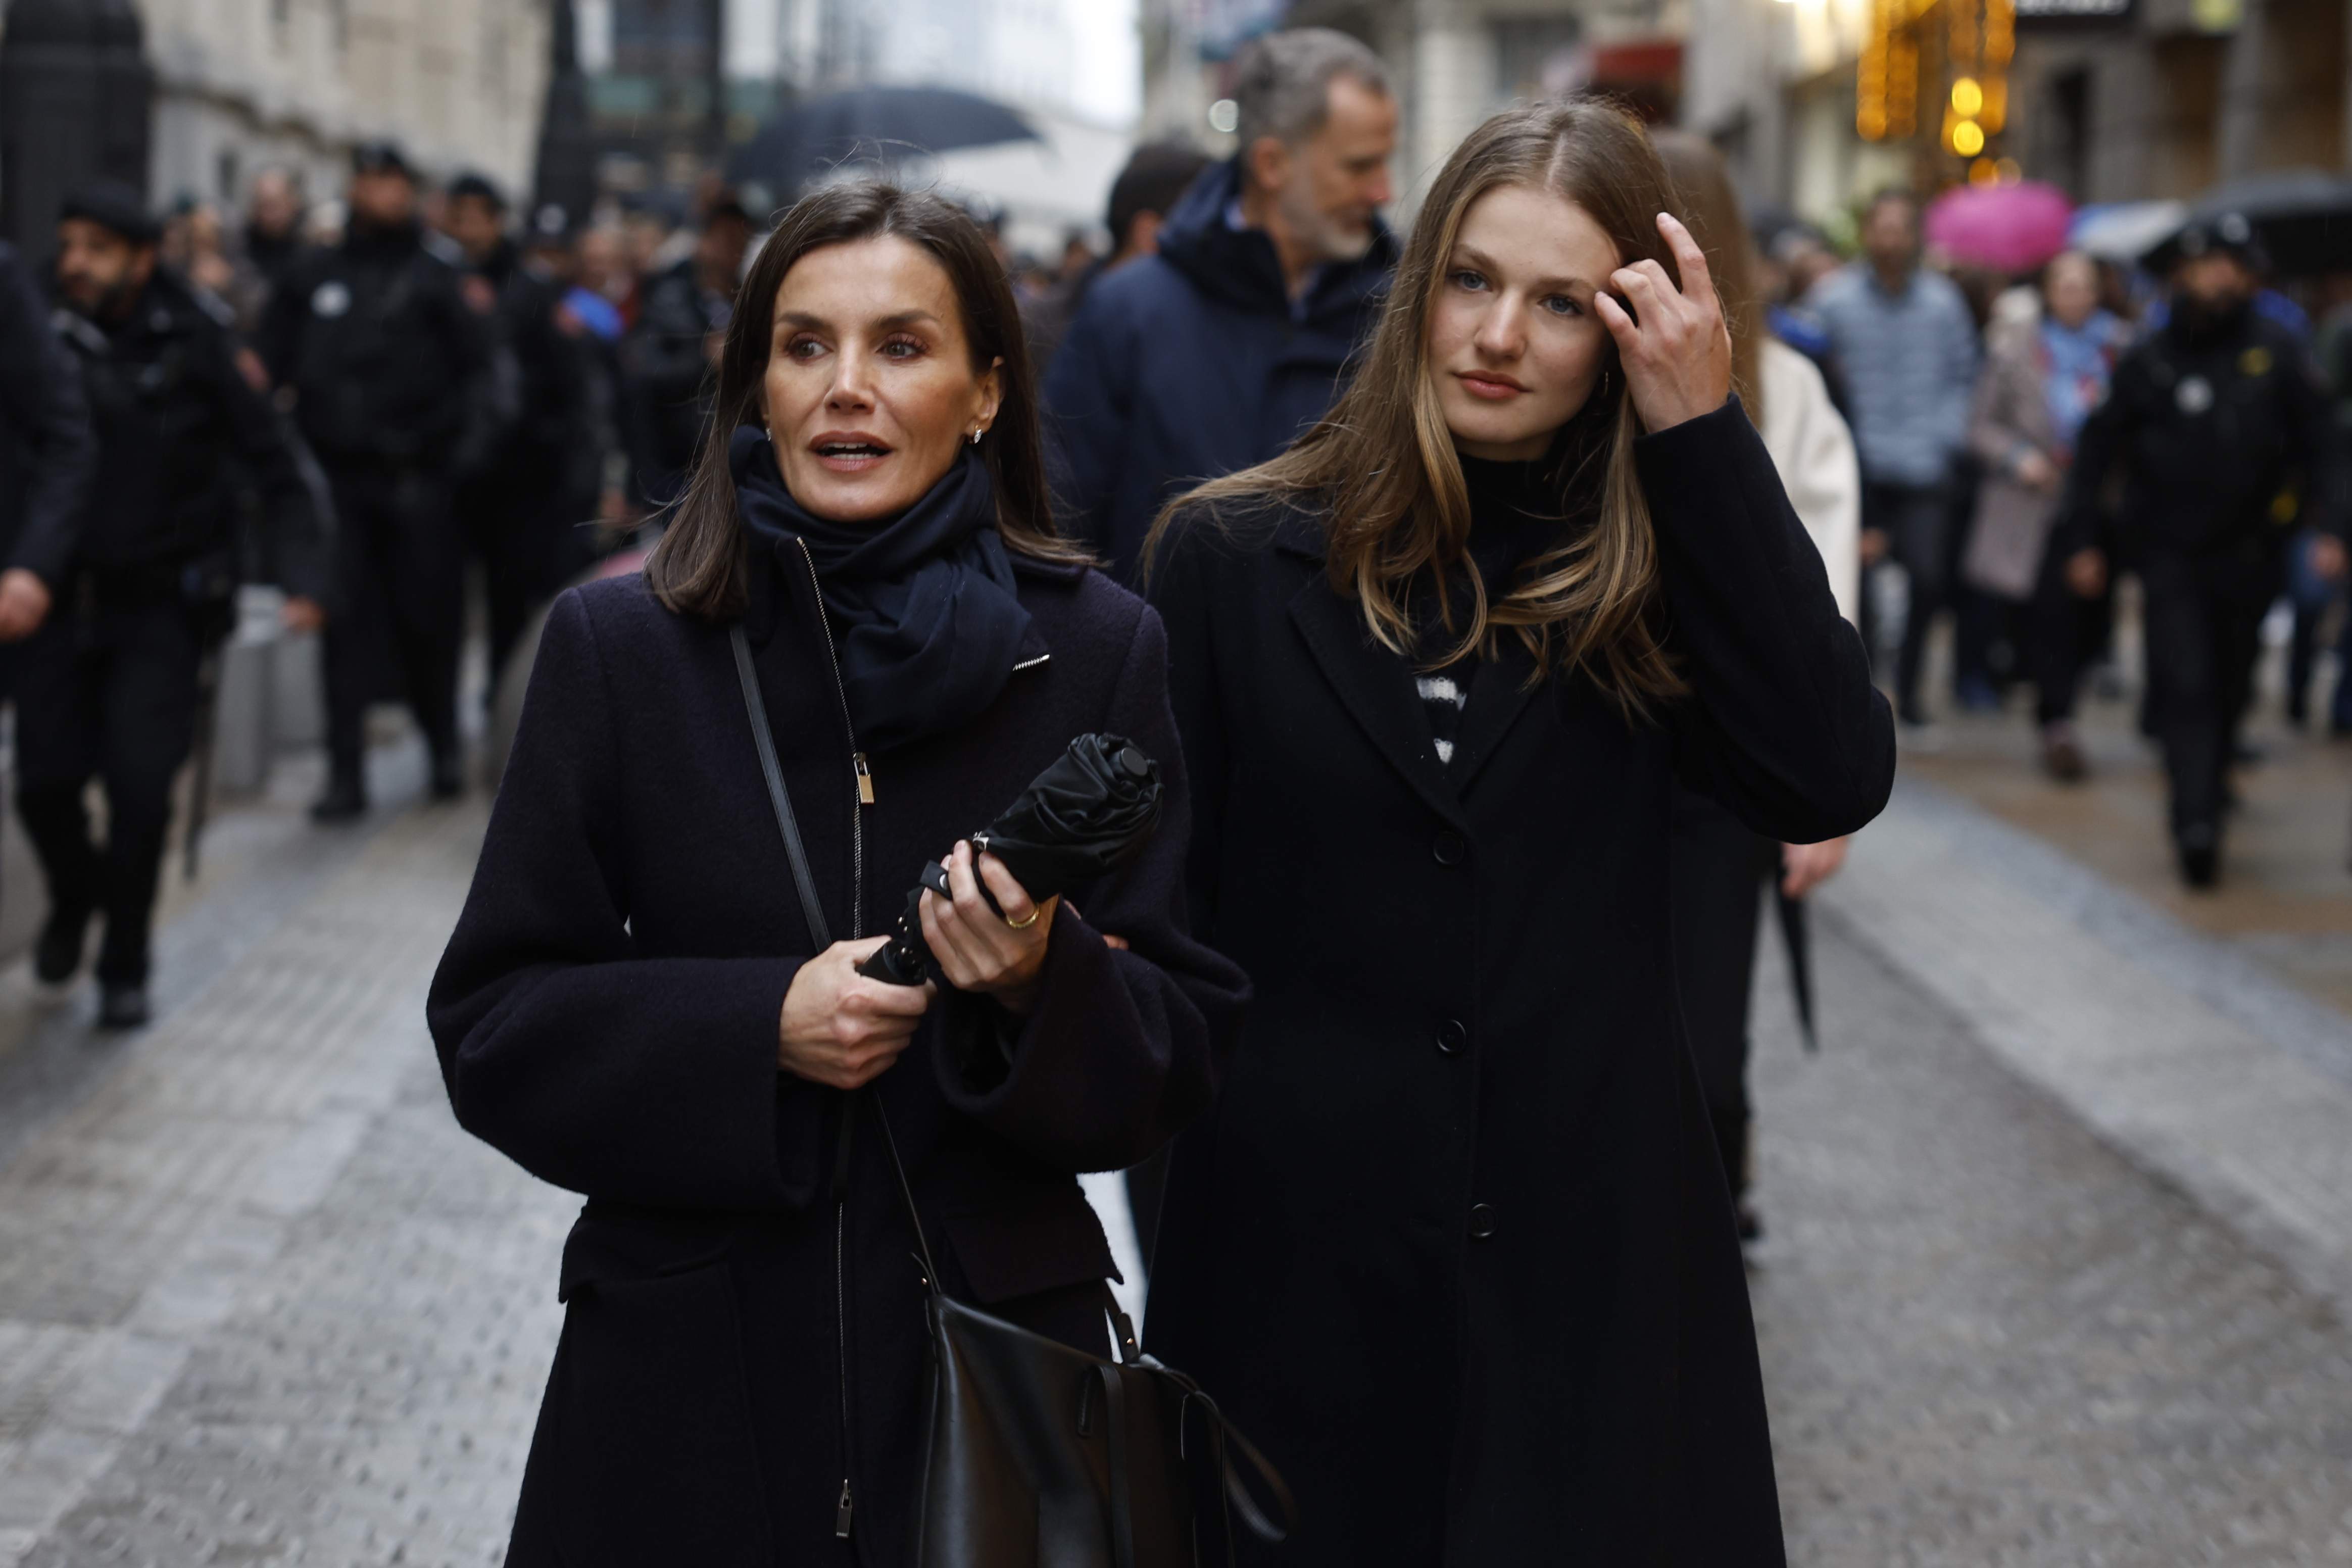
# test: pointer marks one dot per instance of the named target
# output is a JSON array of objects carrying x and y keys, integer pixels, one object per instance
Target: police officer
[
  {"x": 386, "y": 367},
  {"x": 519, "y": 507},
  {"x": 108, "y": 690},
  {"x": 670, "y": 355},
  {"x": 2214, "y": 423}
]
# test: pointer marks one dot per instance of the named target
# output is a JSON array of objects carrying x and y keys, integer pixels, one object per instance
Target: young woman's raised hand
[
  {"x": 842, "y": 1029},
  {"x": 978, "y": 949},
  {"x": 1674, "y": 347}
]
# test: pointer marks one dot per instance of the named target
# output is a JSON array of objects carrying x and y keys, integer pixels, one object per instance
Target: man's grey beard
[{"x": 1324, "y": 239}]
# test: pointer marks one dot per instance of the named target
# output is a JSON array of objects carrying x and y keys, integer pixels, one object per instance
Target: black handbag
[{"x": 1039, "y": 1455}]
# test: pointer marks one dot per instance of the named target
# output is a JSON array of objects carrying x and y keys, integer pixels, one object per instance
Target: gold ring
[{"x": 1022, "y": 925}]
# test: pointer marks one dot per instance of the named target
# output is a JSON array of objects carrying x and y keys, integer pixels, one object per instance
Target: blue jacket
[
  {"x": 1189, "y": 364},
  {"x": 1909, "y": 363}
]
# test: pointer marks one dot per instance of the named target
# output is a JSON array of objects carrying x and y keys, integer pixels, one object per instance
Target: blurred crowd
[
  {"x": 375, "y": 395},
  {"x": 2026, "y": 440}
]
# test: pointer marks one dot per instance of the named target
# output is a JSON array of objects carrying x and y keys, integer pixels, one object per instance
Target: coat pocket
[{"x": 653, "y": 1459}]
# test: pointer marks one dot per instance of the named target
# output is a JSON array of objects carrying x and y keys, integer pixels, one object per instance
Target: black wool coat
[
  {"x": 745, "y": 1330},
  {"x": 1455, "y": 1245}
]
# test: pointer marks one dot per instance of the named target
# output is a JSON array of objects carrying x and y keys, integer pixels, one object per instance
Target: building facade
[
  {"x": 241, "y": 84},
  {"x": 1818, "y": 101},
  {"x": 1453, "y": 62}
]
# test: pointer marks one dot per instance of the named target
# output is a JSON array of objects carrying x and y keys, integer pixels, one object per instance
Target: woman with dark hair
[
  {"x": 1454, "y": 1244},
  {"x": 635, "y": 1006}
]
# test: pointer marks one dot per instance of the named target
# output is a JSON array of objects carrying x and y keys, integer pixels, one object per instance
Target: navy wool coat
[
  {"x": 744, "y": 1333},
  {"x": 1191, "y": 364},
  {"x": 1454, "y": 1244}
]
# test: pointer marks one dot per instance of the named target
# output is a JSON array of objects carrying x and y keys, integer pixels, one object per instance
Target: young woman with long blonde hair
[{"x": 1454, "y": 1244}]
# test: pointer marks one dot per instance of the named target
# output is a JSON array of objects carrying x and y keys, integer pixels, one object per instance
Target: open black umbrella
[
  {"x": 872, "y": 125},
  {"x": 2303, "y": 217}
]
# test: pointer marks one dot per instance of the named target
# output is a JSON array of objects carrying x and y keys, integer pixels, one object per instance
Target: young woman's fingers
[
  {"x": 1619, "y": 324},
  {"x": 1697, "y": 279}
]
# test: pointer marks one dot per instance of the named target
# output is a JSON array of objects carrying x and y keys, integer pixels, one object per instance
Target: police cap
[
  {"x": 381, "y": 157},
  {"x": 2225, "y": 234},
  {"x": 480, "y": 188},
  {"x": 113, "y": 205}
]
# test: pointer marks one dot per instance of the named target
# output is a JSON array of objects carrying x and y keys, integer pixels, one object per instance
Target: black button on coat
[
  {"x": 1486, "y": 1307},
  {"x": 608, "y": 1015}
]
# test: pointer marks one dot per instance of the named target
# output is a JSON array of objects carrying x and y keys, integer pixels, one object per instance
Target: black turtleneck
[{"x": 1514, "y": 515}]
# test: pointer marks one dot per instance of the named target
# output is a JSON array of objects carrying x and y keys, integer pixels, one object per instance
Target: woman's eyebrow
[
  {"x": 1486, "y": 263},
  {"x": 896, "y": 320}
]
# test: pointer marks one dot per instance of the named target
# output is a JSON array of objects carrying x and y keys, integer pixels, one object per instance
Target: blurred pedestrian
[
  {"x": 1455, "y": 1245},
  {"x": 47, "y": 456},
  {"x": 108, "y": 689},
  {"x": 1155, "y": 179},
  {"x": 520, "y": 504},
  {"x": 2045, "y": 373},
  {"x": 1216, "y": 352},
  {"x": 1906, "y": 348},
  {"x": 267, "y": 244},
  {"x": 1721, "y": 867},
  {"x": 385, "y": 364},
  {"x": 672, "y": 352},
  {"x": 635, "y": 1005},
  {"x": 2209, "y": 421}
]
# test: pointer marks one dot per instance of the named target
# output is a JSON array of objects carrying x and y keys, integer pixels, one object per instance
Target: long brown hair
[
  {"x": 702, "y": 564},
  {"x": 1381, "y": 470},
  {"x": 1711, "y": 208}
]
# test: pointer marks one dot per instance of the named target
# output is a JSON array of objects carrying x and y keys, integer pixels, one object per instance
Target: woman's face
[
  {"x": 1514, "y": 346},
  {"x": 2072, "y": 288},
  {"x": 869, "y": 389}
]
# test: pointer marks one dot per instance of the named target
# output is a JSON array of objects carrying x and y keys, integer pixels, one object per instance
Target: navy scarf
[{"x": 926, "y": 621}]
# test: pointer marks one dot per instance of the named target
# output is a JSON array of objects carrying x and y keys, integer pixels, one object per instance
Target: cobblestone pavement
[
  {"x": 261, "y": 1302},
  {"x": 1991, "y": 1340}
]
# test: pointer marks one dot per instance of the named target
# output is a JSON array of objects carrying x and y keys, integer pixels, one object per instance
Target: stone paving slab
[
  {"x": 2206, "y": 1071},
  {"x": 1991, "y": 1341},
  {"x": 262, "y": 1300}
]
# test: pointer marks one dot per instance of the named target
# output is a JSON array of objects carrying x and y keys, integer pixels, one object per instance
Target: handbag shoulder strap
[{"x": 812, "y": 907}]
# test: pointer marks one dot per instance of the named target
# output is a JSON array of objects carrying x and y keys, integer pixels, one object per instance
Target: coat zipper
[{"x": 862, "y": 796}]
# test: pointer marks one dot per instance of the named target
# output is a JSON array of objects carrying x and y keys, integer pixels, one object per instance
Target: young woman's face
[
  {"x": 1514, "y": 346},
  {"x": 870, "y": 391}
]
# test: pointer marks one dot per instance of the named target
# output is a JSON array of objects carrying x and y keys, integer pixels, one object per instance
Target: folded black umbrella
[
  {"x": 1796, "y": 936},
  {"x": 1086, "y": 815}
]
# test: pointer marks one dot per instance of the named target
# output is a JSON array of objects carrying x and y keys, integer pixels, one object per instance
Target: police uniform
[
  {"x": 533, "y": 491},
  {"x": 2216, "y": 424},
  {"x": 109, "y": 685},
  {"x": 386, "y": 367}
]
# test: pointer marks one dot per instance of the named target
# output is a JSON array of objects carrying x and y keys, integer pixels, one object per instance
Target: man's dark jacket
[
  {"x": 550, "y": 410},
  {"x": 608, "y": 1015},
  {"x": 670, "y": 375},
  {"x": 180, "y": 433},
  {"x": 1189, "y": 364},
  {"x": 386, "y": 361},
  {"x": 2207, "y": 424},
  {"x": 46, "y": 449}
]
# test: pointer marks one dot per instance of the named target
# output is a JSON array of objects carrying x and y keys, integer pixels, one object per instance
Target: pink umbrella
[{"x": 2010, "y": 229}]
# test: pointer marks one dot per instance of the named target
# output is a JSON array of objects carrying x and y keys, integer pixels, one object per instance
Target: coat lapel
[
  {"x": 1497, "y": 697},
  {"x": 1376, "y": 687}
]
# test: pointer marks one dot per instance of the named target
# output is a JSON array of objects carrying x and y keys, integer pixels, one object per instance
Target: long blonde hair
[
  {"x": 1711, "y": 208},
  {"x": 1380, "y": 469}
]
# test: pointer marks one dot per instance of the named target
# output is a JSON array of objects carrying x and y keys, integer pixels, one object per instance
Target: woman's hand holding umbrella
[
  {"x": 841, "y": 1029},
  {"x": 978, "y": 949}
]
